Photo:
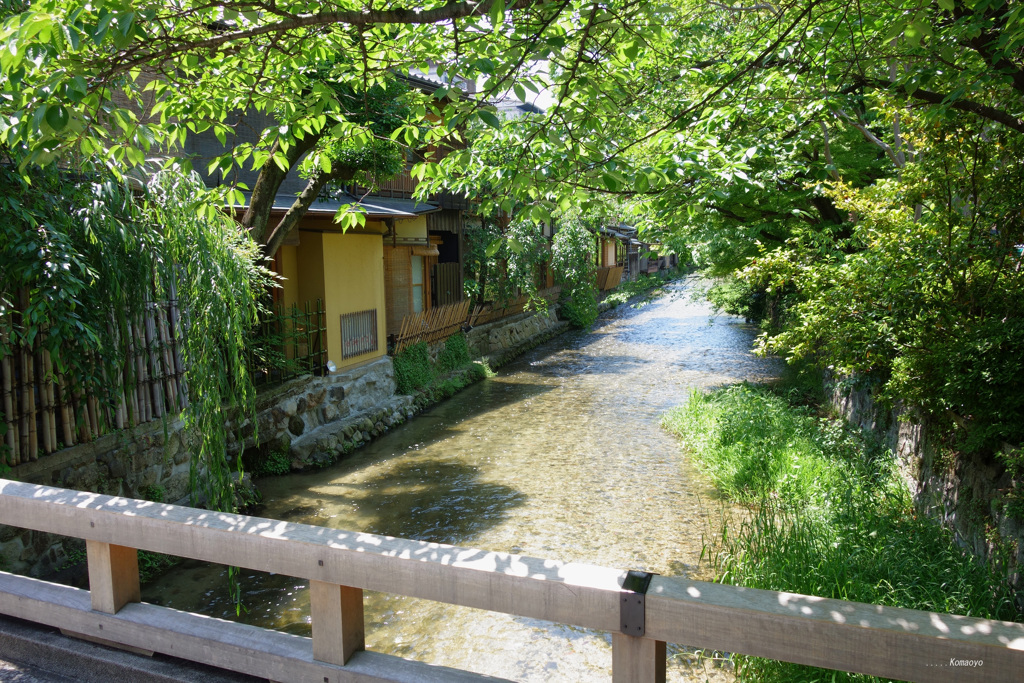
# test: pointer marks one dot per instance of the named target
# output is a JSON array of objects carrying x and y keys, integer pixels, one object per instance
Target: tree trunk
[
  {"x": 257, "y": 216},
  {"x": 275, "y": 237}
]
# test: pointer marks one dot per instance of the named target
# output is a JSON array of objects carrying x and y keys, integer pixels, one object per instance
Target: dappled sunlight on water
[{"x": 560, "y": 456}]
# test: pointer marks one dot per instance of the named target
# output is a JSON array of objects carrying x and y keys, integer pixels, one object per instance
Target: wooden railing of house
[
  {"x": 884, "y": 641},
  {"x": 432, "y": 326},
  {"x": 489, "y": 312},
  {"x": 45, "y": 410},
  {"x": 401, "y": 186}
]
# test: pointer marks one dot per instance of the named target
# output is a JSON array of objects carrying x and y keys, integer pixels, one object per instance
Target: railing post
[
  {"x": 113, "y": 576},
  {"x": 637, "y": 660},
  {"x": 337, "y": 616}
]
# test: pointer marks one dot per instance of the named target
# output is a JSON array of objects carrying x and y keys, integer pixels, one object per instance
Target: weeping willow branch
[{"x": 219, "y": 282}]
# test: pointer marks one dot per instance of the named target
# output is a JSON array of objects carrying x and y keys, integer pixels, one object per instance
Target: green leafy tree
[
  {"x": 572, "y": 256},
  {"x": 924, "y": 295}
]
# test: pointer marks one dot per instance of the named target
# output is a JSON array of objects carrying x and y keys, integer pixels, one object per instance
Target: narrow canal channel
[{"x": 560, "y": 456}]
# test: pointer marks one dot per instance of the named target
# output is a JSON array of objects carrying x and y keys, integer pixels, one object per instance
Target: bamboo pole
[
  {"x": 132, "y": 394},
  {"x": 141, "y": 376},
  {"x": 22, "y": 410},
  {"x": 52, "y": 391},
  {"x": 176, "y": 334},
  {"x": 28, "y": 403},
  {"x": 309, "y": 335},
  {"x": 120, "y": 412},
  {"x": 170, "y": 381},
  {"x": 155, "y": 372},
  {"x": 11, "y": 438},
  {"x": 95, "y": 422},
  {"x": 322, "y": 325},
  {"x": 81, "y": 414},
  {"x": 40, "y": 387},
  {"x": 66, "y": 412},
  {"x": 50, "y": 412}
]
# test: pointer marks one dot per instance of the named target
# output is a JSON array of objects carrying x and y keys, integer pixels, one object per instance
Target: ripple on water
[{"x": 561, "y": 455}]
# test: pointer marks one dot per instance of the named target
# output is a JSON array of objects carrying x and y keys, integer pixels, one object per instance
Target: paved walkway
[
  {"x": 23, "y": 673},
  {"x": 30, "y": 653}
]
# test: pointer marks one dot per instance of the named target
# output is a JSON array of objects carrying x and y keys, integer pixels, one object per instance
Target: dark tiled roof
[
  {"x": 375, "y": 207},
  {"x": 514, "y": 108}
]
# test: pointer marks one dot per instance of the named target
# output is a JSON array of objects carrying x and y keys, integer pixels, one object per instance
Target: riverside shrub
[{"x": 454, "y": 355}]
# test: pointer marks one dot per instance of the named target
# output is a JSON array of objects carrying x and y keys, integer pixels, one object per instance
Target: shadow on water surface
[{"x": 433, "y": 500}]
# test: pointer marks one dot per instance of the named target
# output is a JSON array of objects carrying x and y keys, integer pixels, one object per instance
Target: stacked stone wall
[
  {"x": 500, "y": 341},
  {"x": 968, "y": 493},
  {"x": 314, "y": 420}
]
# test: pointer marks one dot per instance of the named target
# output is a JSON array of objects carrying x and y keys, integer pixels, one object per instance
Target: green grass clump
[
  {"x": 755, "y": 446},
  {"x": 579, "y": 307},
  {"x": 152, "y": 565},
  {"x": 449, "y": 386},
  {"x": 152, "y": 492},
  {"x": 273, "y": 464},
  {"x": 413, "y": 369},
  {"x": 454, "y": 355},
  {"x": 829, "y": 517},
  {"x": 433, "y": 382}
]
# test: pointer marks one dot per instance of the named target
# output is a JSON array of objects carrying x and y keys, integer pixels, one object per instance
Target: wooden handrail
[{"x": 885, "y": 641}]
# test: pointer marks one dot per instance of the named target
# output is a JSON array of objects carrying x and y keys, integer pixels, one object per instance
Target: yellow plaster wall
[
  {"x": 411, "y": 227},
  {"x": 289, "y": 265},
  {"x": 353, "y": 276},
  {"x": 309, "y": 263}
]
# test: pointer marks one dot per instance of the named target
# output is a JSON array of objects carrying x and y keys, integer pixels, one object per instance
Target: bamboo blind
[
  {"x": 45, "y": 410},
  {"x": 448, "y": 282},
  {"x": 397, "y": 285}
]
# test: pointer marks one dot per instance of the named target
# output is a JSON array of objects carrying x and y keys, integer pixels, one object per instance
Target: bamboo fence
[
  {"x": 289, "y": 342},
  {"x": 44, "y": 410},
  {"x": 432, "y": 326}
]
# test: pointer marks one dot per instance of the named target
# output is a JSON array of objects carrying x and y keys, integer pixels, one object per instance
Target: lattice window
[{"x": 358, "y": 333}]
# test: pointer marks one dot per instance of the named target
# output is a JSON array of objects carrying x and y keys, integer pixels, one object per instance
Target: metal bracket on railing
[{"x": 633, "y": 603}]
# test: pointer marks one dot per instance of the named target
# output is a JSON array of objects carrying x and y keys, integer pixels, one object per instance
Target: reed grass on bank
[{"x": 829, "y": 516}]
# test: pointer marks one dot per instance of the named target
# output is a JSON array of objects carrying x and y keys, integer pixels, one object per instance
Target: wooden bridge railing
[{"x": 896, "y": 643}]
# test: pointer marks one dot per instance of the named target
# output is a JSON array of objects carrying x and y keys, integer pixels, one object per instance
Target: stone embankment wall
[
  {"x": 970, "y": 494},
  {"x": 501, "y": 341},
  {"x": 314, "y": 420},
  {"x": 150, "y": 461}
]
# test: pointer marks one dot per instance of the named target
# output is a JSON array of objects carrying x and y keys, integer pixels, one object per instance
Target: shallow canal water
[{"x": 560, "y": 456}]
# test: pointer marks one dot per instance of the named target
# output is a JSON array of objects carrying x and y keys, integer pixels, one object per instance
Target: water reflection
[{"x": 559, "y": 456}]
